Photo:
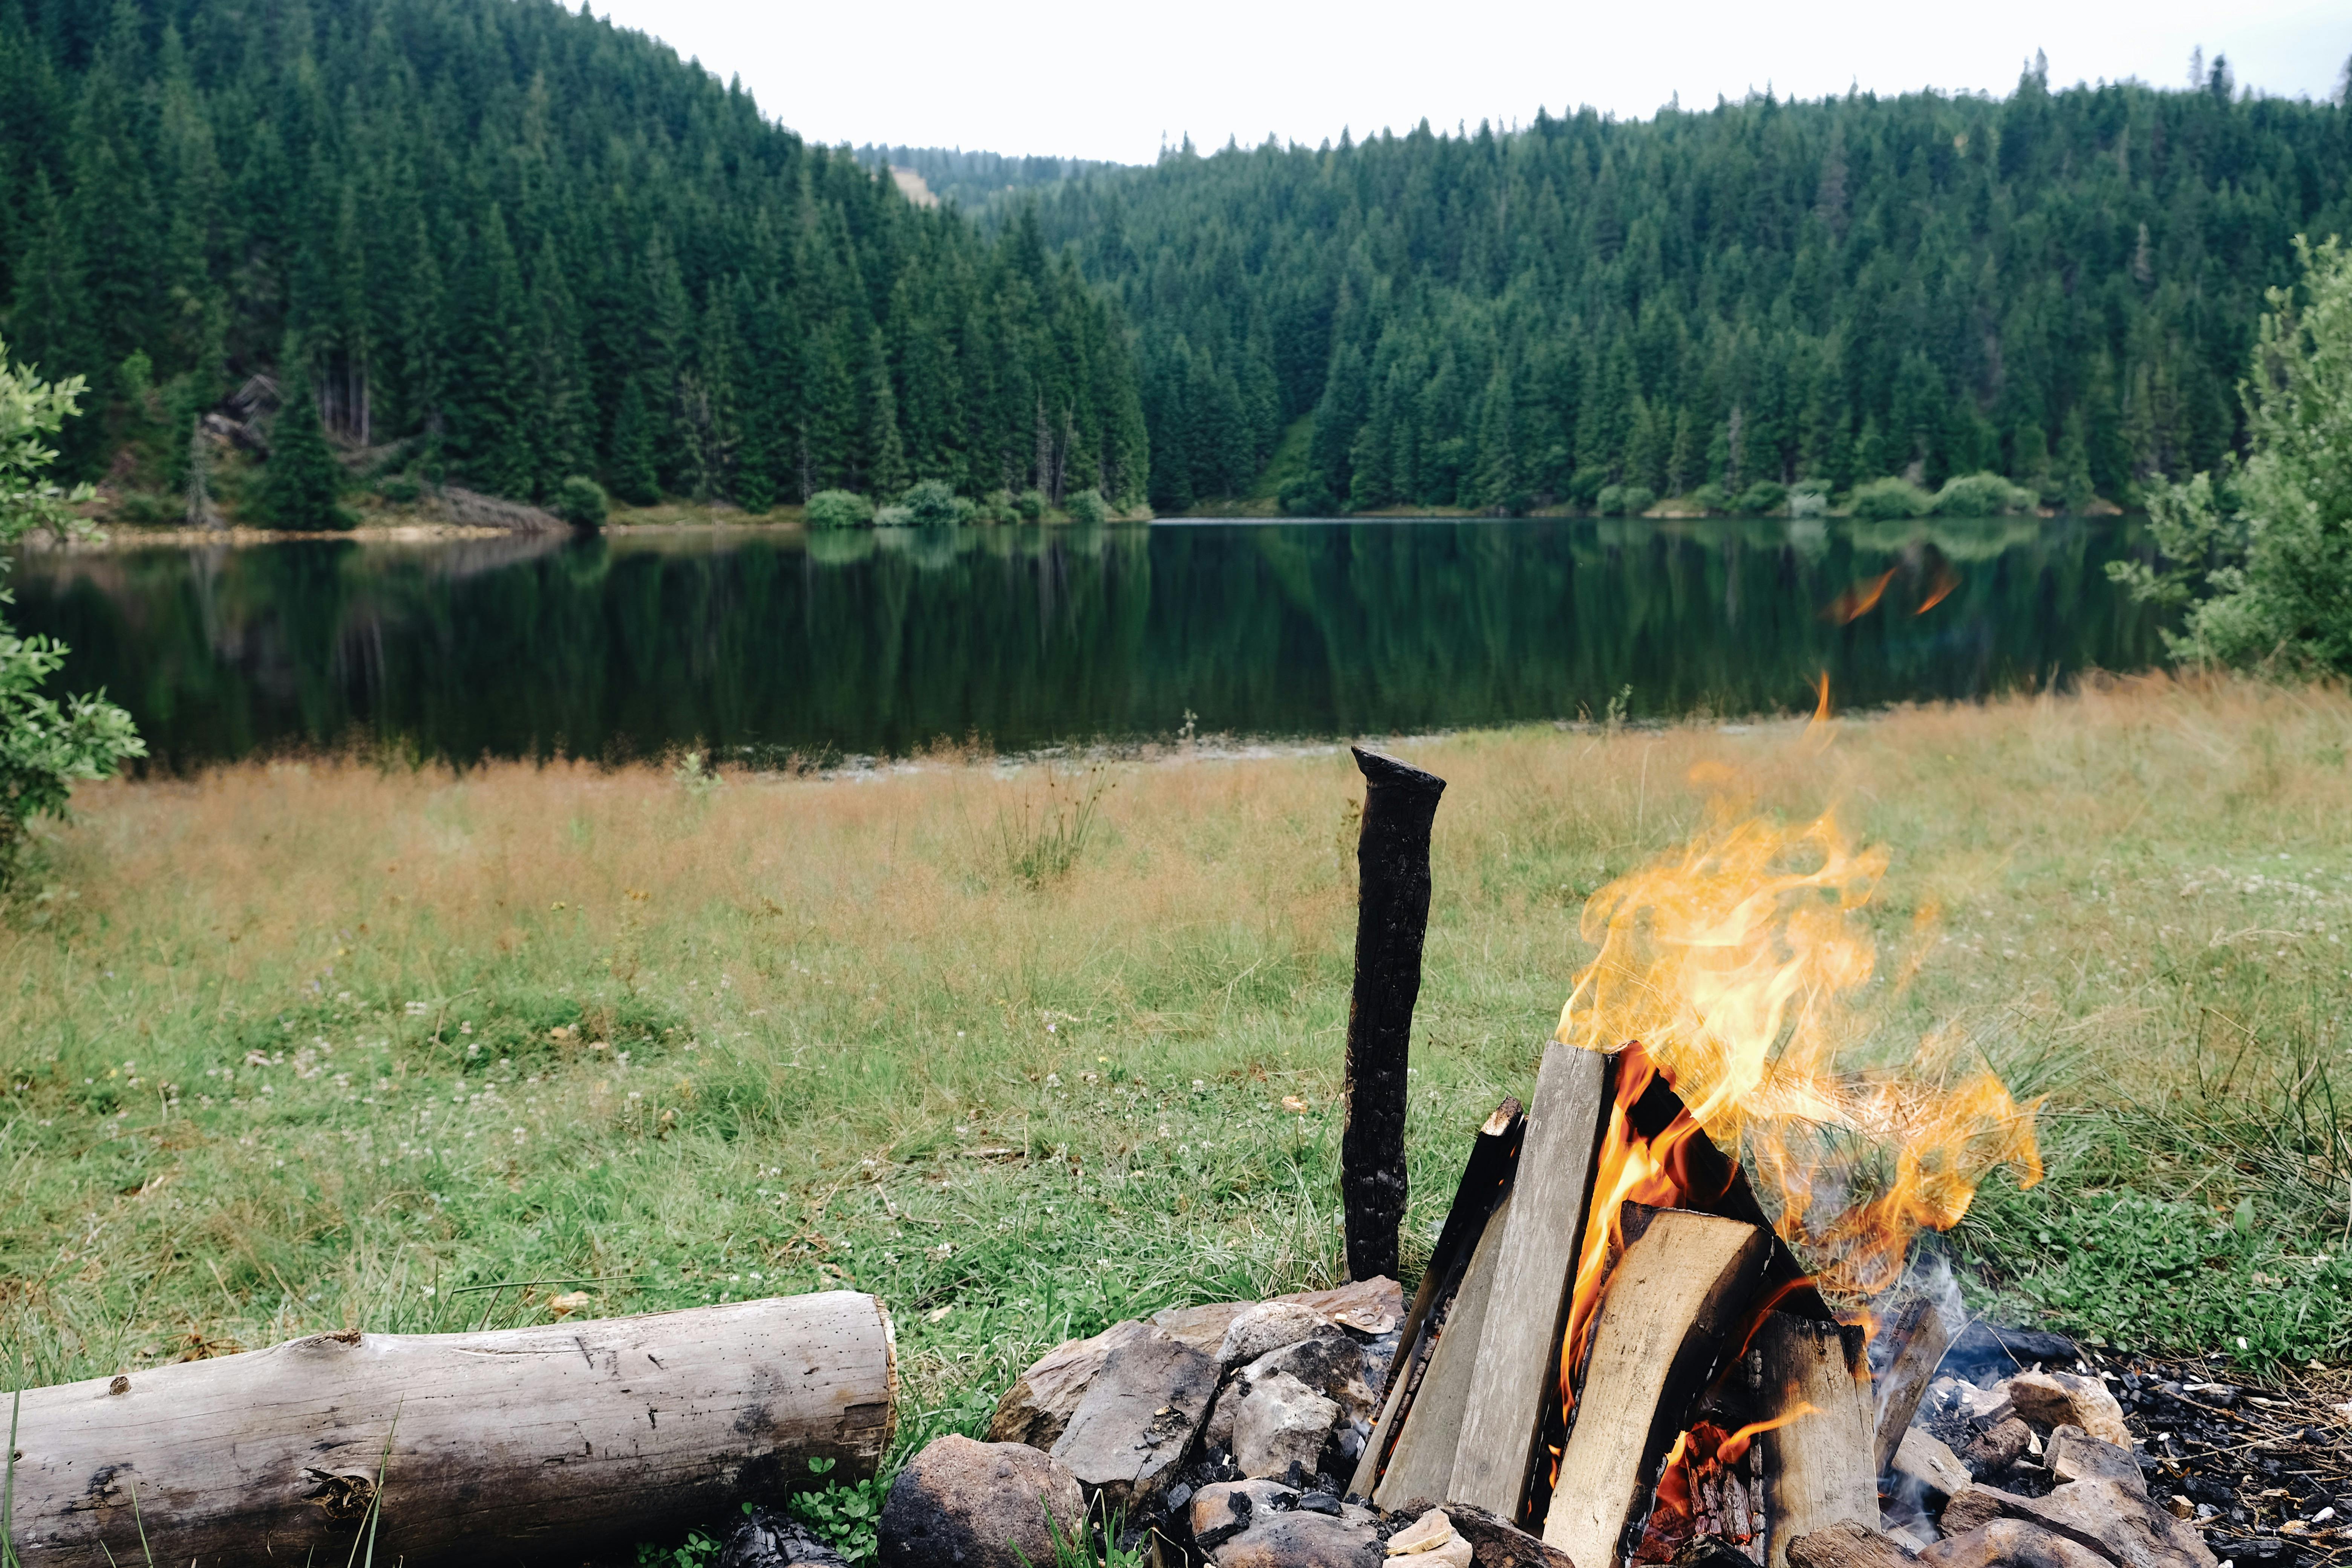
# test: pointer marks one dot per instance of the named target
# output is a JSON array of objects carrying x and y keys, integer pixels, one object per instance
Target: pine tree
[
  {"x": 302, "y": 484},
  {"x": 489, "y": 420},
  {"x": 632, "y": 474}
]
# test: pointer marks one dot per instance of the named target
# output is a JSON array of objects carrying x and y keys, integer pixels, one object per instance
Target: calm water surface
[{"x": 878, "y": 642}]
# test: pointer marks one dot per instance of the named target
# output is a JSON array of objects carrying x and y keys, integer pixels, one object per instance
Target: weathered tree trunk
[
  {"x": 522, "y": 1445},
  {"x": 1391, "y": 919}
]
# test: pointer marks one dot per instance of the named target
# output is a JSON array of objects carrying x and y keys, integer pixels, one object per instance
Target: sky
[{"x": 1083, "y": 79}]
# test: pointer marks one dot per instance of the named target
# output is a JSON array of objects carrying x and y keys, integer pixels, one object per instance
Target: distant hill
[
  {"x": 976, "y": 180},
  {"x": 2062, "y": 286},
  {"x": 508, "y": 242}
]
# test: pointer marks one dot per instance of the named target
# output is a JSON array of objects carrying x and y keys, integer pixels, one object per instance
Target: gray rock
[
  {"x": 1036, "y": 1409},
  {"x": 1223, "y": 1511},
  {"x": 1268, "y": 1326},
  {"x": 1302, "y": 1541},
  {"x": 1137, "y": 1423},
  {"x": 1282, "y": 1423},
  {"x": 1328, "y": 1361},
  {"x": 962, "y": 1504}
]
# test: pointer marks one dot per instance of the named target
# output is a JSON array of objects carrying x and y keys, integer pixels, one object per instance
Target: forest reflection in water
[{"x": 878, "y": 642}]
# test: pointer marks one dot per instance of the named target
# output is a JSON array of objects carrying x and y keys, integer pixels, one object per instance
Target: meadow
[{"x": 335, "y": 1043}]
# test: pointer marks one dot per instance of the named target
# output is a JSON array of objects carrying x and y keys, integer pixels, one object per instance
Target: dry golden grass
[{"x": 291, "y": 1045}]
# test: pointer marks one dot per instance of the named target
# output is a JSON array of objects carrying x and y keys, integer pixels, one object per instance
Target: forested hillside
[
  {"x": 976, "y": 179},
  {"x": 2061, "y": 286},
  {"x": 539, "y": 246}
]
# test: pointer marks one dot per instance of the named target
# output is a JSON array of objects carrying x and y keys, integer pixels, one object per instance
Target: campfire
[{"x": 1649, "y": 1319}]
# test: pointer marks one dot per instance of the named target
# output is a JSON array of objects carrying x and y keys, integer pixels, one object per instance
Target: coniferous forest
[
  {"x": 2061, "y": 286},
  {"x": 541, "y": 246},
  {"x": 522, "y": 245}
]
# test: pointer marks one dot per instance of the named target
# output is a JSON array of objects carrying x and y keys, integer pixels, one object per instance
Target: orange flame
[
  {"x": 1701, "y": 1454},
  {"x": 1858, "y": 600},
  {"x": 1946, "y": 581},
  {"x": 1732, "y": 964}
]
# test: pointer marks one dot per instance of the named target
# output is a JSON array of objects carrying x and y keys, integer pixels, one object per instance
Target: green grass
[{"x": 303, "y": 1046}]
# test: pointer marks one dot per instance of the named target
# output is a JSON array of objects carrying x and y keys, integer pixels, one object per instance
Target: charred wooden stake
[{"x": 1391, "y": 919}]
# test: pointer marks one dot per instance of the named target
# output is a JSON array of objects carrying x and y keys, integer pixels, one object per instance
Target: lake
[{"x": 770, "y": 646}]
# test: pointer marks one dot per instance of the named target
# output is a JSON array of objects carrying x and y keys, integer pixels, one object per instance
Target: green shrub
[
  {"x": 581, "y": 501},
  {"x": 1884, "y": 499},
  {"x": 1086, "y": 506},
  {"x": 145, "y": 508},
  {"x": 839, "y": 509},
  {"x": 1809, "y": 497},
  {"x": 401, "y": 490},
  {"x": 1765, "y": 498},
  {"x": 1610, "y": 501},
  {"x": 894, "y": 516},
  {"x": 1982, "y": 495},
  {"x": 1637, "y": 499},
  {"x": 996, "y": 507},
  {"x": 933, "y": 503},
  {"x": 46, "y": 744},
  {"x": 1709, "y": 496},
  {"x": 1308, "y": 496},
  {"x": 1030, "y": 505}
]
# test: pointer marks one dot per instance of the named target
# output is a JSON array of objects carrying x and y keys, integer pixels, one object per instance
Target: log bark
[
  {"x": 1391, "y": 919},
  {"x": 1916, "y": 1339},
  {"x": 1683, "y": 1284},
  {"x": 1421, "y": 1468},
  {"x": 1820, "y": 1469},
  {"x": 1517, "y": 1380},
  {"x": 1486, "y": 1180},
  {"x": 521, "y": 1446}
]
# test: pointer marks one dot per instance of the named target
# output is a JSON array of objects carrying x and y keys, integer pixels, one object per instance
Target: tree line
[
  {"x": 2058, "y": 286},
  {"x": 528, "y": 243}
]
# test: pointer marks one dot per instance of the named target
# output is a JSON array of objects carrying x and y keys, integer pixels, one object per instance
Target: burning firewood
[
  {"x": 1513, "y": 1385},
  {"x": 1916, "y": 1339},
  {"x": 1684, "y": 1282},
  {"x": 1486, "y": 1184},
  {"x": 1821, "y": 1460}
]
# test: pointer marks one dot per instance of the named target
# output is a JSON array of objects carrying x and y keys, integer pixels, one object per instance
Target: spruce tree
[{"x": 302, "y": 484}]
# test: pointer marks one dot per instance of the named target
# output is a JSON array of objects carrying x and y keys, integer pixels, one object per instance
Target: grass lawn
[{"x": 317, "y": 1046}]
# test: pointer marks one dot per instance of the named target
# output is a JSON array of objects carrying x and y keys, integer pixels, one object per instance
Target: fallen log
[
  {"x": 1674, "y": 1297},
  {"x": 521, "y": 1446},
  {"x": 1391, "y": 920}
]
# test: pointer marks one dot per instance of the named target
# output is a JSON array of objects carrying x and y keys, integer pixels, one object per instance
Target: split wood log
[
  {"x": 1421, "y": 1466},
  {"x": 1849, "y": 1546},
  {"x": 518, "y": 1446},
  {"x": 1516, "y": 1383},
  {"x": 1683, "y": 1283},
  {"x": 1917, "y": 1338},
  {"x": 1820, "y": 1469},
  {"x": 1391, "y": 919},
  {"x": 1486, "y": 1180}
]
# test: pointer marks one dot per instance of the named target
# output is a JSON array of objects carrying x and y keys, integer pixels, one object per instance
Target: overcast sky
[{"x": 1081, "y": 78}]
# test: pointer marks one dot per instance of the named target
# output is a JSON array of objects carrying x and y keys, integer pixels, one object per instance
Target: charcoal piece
[
  {"x": 1318, "y": 1502},
  {"x": 769, "y": 1540},
  {"x": 2256, "y": 1551}
]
